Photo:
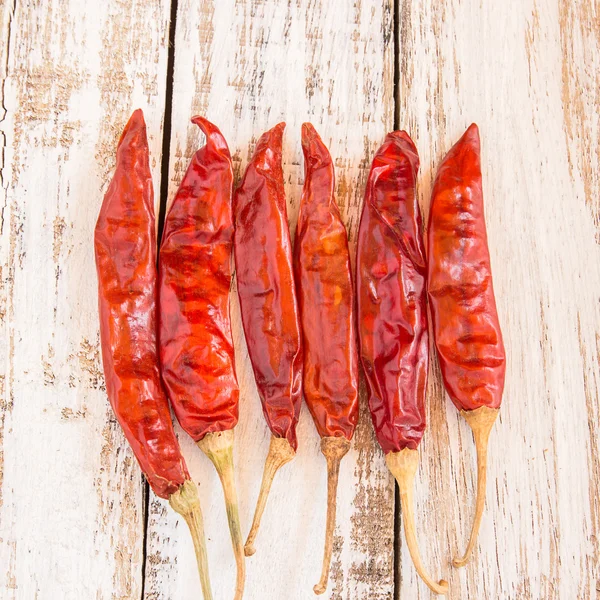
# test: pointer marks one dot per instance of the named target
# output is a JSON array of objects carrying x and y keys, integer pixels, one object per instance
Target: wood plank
[
  {"x": 247, "y": 65},
  {"x": 527, "y": 73},
  {"x": 71, "y": 504}
]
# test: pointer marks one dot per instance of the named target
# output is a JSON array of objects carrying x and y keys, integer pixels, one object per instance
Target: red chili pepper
[
  {"x": 125, "y": 246},
  {"x": 463, "y": 308},
  {"x": 392, "y": 316},
  {"x": 265, "y": 282},
  {"x": 323, "y": 273},
  {"x": 196, "y": 346}
]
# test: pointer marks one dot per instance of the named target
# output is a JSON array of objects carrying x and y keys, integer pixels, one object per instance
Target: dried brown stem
[
  {"x": 403, "y": 466},
  {"x": 481, "y": 421},
  {"x": 334, "y": 449},
  {"x": 219, "y": 448},
  {"x": 185, "y": 501},
  {"x": 280, "y": 453}
]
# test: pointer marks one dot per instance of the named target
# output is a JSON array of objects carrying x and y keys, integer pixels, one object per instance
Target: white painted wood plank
[
  {"x": 71, "y": 523},
  {"x": 70, "y": 492},
  {"x": 527, "y": 73},
  {"x": 247, "y": 65}
]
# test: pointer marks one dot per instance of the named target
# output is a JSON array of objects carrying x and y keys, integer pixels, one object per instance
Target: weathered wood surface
[
  {"x": 247, "y": 66},
  {"x": 71, "y": 495},
  {"x": 71, "y": 504},
  {"x": 527, "y": 73}
]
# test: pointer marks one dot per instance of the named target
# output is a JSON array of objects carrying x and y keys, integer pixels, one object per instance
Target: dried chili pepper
[
  {"x": 265, "y": 282},
  {"x": 392, "y": 316},
  {"x": 125, "y": 247},
  {"x": 196, "y": 346},
  {"x": 326, "y": 302},
  {"x": 463, "y": 308}
]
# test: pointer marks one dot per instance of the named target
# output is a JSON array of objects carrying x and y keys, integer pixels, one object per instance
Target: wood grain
[
  {"x": 247, "y": 65},
  {"x": 71, "y": 522},
  {"x": 528, "y": 76},
  {"x": 71, "y": 494}
]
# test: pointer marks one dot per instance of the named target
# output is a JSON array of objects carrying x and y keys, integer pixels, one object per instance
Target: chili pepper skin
[
  {"x": 269, "y": 308},
  {"x": 196, "y": 346},
  {"x": 125, "y": 248},
  {"x": 323, "y": 273},
  {"x": 392, "y": 317},
  {"x": 463, "y": 307},
  {"x": 125, "y": 244},
  {"x": 265, "y": 281},
  {"x": 461, "y": 295},
  {"x": 326, "y": 302},
  {"x": 392, "y": 303}
]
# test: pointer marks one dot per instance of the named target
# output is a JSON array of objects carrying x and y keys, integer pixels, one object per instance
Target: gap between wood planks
[
  {"x": 397, "y": 519},
  {"x": 162, "y": 209},
  {"x": 166, "y": 141},
  {"x": 164, "y": 188}
]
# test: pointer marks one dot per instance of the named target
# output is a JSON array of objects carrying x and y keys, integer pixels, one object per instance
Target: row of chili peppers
[{"x": 166, "y": 332}]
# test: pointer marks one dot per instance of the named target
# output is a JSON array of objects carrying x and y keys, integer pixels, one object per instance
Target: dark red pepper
[
  {"x": 463, "y": 307},
  {"x": 392, "y": 317},
  {"x": 125, "y": 247},
  {"x": 196, "y": 347},
  {"x": 265, "y": 282},
  {"x": 326, "y": 300}
]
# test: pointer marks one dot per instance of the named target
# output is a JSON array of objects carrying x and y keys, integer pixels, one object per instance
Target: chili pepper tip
[
  {"x": 202, "y": 122},
  {"x": 472, "y": 130},
  {"x": 274, "y": 135},
  {"x": 403, "y": 138},
  {"x": 316, "y": 154},
  {"x": 308, "y": 131},
  {"x": 213, "y": 135},
  {"x": 136, "y": 126},
  {"x": 469, "y": 142},
  {"x": 137, "y": 117}
]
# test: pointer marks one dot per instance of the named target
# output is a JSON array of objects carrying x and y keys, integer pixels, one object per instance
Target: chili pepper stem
[
  {"x": 280, "y": 453},
  {"x": 403, "y": 466},
  {"x": 219, "y": 448},
  {"x": 186, "y": 502},
  {"x": 481, "y": 421},
  {"x": 334, "y": 449}
]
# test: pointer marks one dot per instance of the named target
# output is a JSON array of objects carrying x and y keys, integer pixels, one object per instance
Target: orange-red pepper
[
  {"x": 266, "y": 288},
  {"x": 392, "y": 317},
  {"x": 125, "y": 247},
  {"x": 326, "y": 299},
  {"x": 196, "y": 346},
  {"x": 463, "y": 307}
]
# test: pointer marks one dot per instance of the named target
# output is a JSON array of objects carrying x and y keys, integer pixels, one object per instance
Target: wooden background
[{"x": 76, "y": 518}]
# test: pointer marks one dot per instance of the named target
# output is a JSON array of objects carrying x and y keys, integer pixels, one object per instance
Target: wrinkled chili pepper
[
  {"x": 196, "y": 346},
  {"x": 326, "y": 302},
  {"x": 463, "y": 308},
  {"x": 392, "y": 316},
  {"x": 125, "y": 248},
  {"x": 266, "y": 288}
]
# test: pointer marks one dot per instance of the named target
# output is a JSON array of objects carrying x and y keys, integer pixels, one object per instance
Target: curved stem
[
  {"x": 403, "y": 466},
  {"x": 334, "y": 449},
  {"x": 219, "y": 448},
  {"x": 280, "y": 453},
  {"x": 186, "y": 502},
  {"x": 480, "y": 421}
]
